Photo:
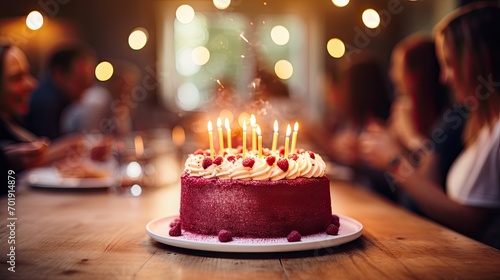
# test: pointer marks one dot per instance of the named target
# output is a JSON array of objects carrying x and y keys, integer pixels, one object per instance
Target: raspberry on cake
[{"x": 257, "y": 197}]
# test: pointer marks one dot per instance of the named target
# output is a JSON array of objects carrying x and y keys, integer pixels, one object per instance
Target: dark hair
[
  {"x": 63, "y": 59},
  {"x": 473, "y": 33},
  {"x": 366, "y": 87},
  {"x": 3, "y": 49},
  {"x": 429, "y": 96}
]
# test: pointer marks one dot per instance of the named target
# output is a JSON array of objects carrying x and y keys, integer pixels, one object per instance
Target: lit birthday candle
[
  {"x": 275, "y": 136},
  {"x": 287, "y": 139},
  {"x": 221, "y": 139},
  {"x": 244, "y": 139},
  {"x": 211, "y": 139},
  {"x": 228, "y": 130},
  {"x": 259, "y": 141},
  {"x": 294, "y": 137},
  {"x": 253, "y": 123}
]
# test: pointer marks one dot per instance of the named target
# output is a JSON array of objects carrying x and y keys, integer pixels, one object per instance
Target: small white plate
[
  {"x": 157, "y": 229},
  {"x": 49, "y": 177}
]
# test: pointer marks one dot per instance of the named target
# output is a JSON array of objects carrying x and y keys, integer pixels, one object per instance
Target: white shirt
[{"x": 474, "y": 178}]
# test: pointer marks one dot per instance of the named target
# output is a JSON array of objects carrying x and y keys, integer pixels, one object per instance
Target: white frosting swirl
[{"x": 232, "y": 168}]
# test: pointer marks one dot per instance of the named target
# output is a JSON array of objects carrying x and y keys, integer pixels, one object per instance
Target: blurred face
[
  {"x": 18, "y": 83},
  {"x": 396, "y": 72},
  {"x": 80, "y": 78},
  {"x": 450, "y": 70}
]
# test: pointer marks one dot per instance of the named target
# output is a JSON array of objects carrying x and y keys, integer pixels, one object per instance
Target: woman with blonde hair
[{"x": 468, "y": 47}]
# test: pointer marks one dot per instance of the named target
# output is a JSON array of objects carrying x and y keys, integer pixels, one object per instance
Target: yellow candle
[
  {"x": 275, "y": 136},
  {"x": 259, "y": 141},
  {"x": 253, "y": 123},
  {"x": 211, "y": 139},
  {"x": 287, "y": 139},
  {"x": 294, "y": 137},
  {"x": 244, "y": 139},
  {"x": 221, "y": 139},
  {"x": 228, "y": 129}
]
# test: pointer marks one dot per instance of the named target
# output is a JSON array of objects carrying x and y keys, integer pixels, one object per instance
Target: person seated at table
[
  {"x": 357, "y": 95},
  {"x": 70, "y": 71},
  {"x": 16, "y": 85},
  {"x": 106, "y": 107},
  {"x": 422, "y": 103},
  {"x": 468, "y": 48},
  {"x": 19, "y": 148}
]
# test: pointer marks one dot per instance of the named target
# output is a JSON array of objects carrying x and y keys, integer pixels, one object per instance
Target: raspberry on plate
[
  {"x": 225, "y": 235},
  {"x": 294, "y": 236}
]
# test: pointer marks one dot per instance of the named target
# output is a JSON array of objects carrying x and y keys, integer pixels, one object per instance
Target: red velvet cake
[{"x": 255, "y": 197}]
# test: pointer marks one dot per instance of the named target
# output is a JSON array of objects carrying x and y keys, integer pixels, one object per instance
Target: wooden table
[{"x": 101, "y": 235}]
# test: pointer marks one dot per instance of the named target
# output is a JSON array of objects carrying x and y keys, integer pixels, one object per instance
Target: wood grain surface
[{"x": 101, "y": 235}]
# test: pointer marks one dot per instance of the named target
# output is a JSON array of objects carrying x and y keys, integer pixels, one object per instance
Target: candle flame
[
  {"x": 296, "y": 127},
  {"x": 245, "y": 126},
  {"x": 253, "y": 121},
  {"x": 257, "y": 129},
  {"x": 219, "y": 122},
  {"x": 276, "y": 126},
  {"x": 288, "y": 130},
  {"x": 226, "y": 124},
  {"x": 209, "y": 126}
]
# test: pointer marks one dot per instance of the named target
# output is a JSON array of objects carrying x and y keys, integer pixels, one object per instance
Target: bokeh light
[
  {"x": 340, "y": 3},
  {"x": 371, "y": 18},
  {"x": 136, "y": 190},
  {"x": 222, "y": 4},
  {"x": 184, "y": 63},
  {"x": 178, "y": 136},
  {"x": 104, "y": 71},
  {"x": 200, "y": 55},
  {"x": 280, "y": 35},
  {"x": 283, "y": 69},
  {"x": 226, "y": 114},
  {"x": 138, "y": 38},
  {"x": 133, "y": 170},
  {"x": 34, "y": 20},
  {"x": 188, "y": 97},
  {"x": 335, "y": 47},
  {"x": 244, "y": 116},
  {"x": 184, "y": 14}
]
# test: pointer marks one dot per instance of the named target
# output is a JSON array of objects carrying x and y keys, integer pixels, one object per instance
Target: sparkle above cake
[{"x": 256, "y": 197}]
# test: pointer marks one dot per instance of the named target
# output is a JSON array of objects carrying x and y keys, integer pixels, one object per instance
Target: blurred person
[
  {"x": 70, "y": 71},
  {"x": 19, "y": 148},
  {"x": 468, "y": 48},
  {"x": 106, "y": 107},
  {"x": 421, "y": 106},
  {"x": 356, "y": 95}
]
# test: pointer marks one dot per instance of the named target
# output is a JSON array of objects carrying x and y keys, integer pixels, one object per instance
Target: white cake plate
[{"x": 157, "y": 229}]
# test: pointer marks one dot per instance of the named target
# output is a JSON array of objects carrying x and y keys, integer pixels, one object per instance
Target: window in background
[{"x": 213, "y": 50}]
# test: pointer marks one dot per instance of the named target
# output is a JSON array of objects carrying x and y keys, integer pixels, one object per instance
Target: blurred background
[{"x": 221, "y": 58}]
